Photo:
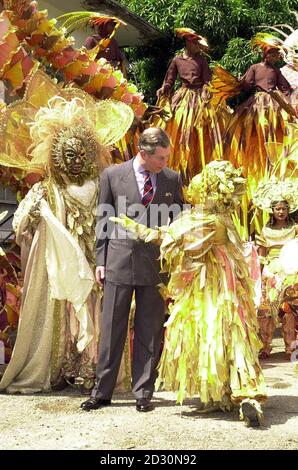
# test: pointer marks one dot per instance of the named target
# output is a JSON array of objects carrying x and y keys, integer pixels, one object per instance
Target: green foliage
[
  {"x": 239, "y": 56},
  {"x": 228, "y": 24}
]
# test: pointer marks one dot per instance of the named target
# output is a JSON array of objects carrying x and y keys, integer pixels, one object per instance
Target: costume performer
[
  {"x": 211, "y": 345},
  {"x": 279, "y": 301},
  {"x": 289, "y": 44},
  {"x": 55, "y": 226},
  {"x": 261, "y": 119},
  {"x": 192, "y": 123},
  {"x": 258, "y": 130}
]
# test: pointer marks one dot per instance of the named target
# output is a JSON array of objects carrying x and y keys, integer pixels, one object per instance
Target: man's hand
[{"x": 100, "y": 273}]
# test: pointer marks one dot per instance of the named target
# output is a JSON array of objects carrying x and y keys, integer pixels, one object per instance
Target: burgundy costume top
[
  {"x": 193, "y": 71},
  {"x": 265, "y": 77}
]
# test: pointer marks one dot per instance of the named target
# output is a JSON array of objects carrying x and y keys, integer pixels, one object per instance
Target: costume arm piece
[
  {"x": 184, "y": 245},
  {"x": 193, "y": 231},
  {"x": 248, "y": 79},
  {"x": 222, "y": 85},
  {"x": 261, "y": 239},
  {"x": 27, "y": 215},
  {"x": 138, "y": 230},
  {"x": 262, "y": 248},
  {"x": 283, "y": 84},
  {"x": 69, "y": 274}
]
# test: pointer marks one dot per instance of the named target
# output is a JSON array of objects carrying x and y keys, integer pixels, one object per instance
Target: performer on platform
[{"x": 191, "y": 122}]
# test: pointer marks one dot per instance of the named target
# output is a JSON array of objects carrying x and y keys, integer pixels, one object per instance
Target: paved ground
[{"x": 55, "y": 421}]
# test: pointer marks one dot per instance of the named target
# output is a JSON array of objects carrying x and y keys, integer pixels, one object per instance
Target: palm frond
[{"x": 80, "y": 19}]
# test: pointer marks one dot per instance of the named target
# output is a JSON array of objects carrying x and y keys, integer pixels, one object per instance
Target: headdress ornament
[
  {"x": 266, "y": 42},
  {"x": 274, "y": 191},
  {"x": 191, "y": 35},
  {"x": 218, "y": 186},
  {"x": 48, "y": 111}
]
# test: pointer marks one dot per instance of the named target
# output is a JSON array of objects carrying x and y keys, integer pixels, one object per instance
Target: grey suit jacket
[{"x": 130, "y": 261}]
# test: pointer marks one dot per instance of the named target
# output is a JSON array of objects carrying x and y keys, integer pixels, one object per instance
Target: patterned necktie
[{"x": 148, "y": 189}]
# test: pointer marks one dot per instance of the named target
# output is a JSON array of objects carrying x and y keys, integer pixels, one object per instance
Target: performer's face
[
  {"x": 75, "y": 156},
  {"x": 272, "y": 57},
  {"x": 157, "y": 161},
  {"x": 280, "y": 211},
  {"x": 192, "y": 47},
  {"x": 105, "y": 30}
]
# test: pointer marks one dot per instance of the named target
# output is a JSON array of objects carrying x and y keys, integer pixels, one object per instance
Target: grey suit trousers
[{"x": 148, "y": 330}]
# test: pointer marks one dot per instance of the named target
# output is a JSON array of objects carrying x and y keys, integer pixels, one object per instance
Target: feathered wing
[
  {"x": 80, "y": 19},
  {"x": 223, "y": 85},
  {"x": 15, "y": 123}
]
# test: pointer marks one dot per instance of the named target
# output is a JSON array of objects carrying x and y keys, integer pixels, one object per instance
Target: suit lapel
[
  {"x": 160, "y": 188},
  {"x": 130, "y": 184}
]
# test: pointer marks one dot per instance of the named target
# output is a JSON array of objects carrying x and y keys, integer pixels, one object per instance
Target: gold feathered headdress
[
  {"x": 267, "y": 42},
  {"x": 30, "y": 126},
  {"x": 79, "y": 19}
]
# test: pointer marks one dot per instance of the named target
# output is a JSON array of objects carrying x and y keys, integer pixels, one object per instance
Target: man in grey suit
[{"x": 149, "y": 193}]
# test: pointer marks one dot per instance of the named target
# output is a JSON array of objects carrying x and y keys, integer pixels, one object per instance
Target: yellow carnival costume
[
  {"x": 257, "y": 133},
  {"x": 55, "y": 226},
  {"x": 193, "y": 124},
  {"x": 280, "y": 273},
  {"x": 211, "y": 344}
]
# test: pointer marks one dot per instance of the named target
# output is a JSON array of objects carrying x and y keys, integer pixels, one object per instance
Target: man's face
[{"x": 157, "y": 161}]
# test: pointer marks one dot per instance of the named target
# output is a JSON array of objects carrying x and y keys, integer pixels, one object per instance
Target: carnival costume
[
  {"x": 211, "y": 343},
  {"x": 261, "y": 119},
  {"x": 289, "y": 44},
  {"x": 189, "y": 119},
  {"x": 257, "y": 133},
  {"x": 24, "y": 28},
  {"x": 65, "y": 142},
  {"x": 280, "y": 273}
]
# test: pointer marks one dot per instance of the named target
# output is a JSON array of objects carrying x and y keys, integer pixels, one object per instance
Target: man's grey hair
[{"x": 152, "y": 138}]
